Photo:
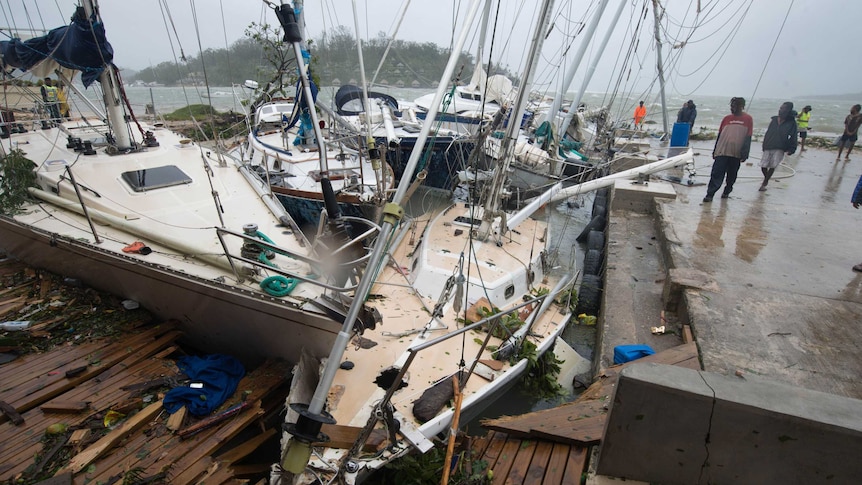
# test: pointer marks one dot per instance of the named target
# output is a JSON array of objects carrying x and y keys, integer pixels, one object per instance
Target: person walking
[
  {"x": 780, "y": 139},
  {"x": 731, "y": 149},
  {"x": 802, "y": 125},
  {"x": 640, "y": 114},
  {"x": 851, "y": 128},
  {"x": 687, "y": 113}
]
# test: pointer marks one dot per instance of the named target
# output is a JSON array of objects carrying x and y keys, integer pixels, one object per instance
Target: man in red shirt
[{"x": 731, "y": 149}]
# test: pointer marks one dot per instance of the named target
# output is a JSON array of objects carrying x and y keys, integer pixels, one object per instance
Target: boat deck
[{"x": 56, "y": 402}]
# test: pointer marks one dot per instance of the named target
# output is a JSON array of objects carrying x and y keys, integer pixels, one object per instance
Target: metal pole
[
  {"x": 111, "y": 96},
  {"x": 658, "y": 61},
  {"x": 573, "y": 106},
  {"x": 551, "y": 115}
]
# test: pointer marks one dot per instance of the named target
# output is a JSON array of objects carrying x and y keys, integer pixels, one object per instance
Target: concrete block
[
  {"x": 675, "y": 425},
  {"x": 637, "y": 197}
]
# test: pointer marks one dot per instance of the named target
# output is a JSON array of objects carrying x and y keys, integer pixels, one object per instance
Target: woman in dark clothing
[{"x": 687, "y": 113}]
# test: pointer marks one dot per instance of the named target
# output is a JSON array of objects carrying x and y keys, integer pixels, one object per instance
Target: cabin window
[
  {"x": 155, "y": 178},
  {"x": 510, "y": 291}
]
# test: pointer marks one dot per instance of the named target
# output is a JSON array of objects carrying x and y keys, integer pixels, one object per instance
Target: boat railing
[
  {"x": 258, "y": 266},
  {"x": 491, "y": 321}
]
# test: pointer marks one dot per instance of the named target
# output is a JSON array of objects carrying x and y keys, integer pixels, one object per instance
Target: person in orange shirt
[{"x": 640, "y": 113}]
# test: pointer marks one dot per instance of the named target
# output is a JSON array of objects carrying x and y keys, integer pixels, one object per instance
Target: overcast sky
[{"x": 725, "y": 55}]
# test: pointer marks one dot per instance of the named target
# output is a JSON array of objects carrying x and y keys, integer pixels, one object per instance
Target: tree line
[{"x": 262, "y": 57}]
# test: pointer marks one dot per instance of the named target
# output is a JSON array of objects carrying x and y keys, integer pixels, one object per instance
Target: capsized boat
[
  {"x": 151, "y": 216},
  {"x": 395, "y": 126},
  {"x": 468, "y": 300},
  {"x": 287, "y": 157}
]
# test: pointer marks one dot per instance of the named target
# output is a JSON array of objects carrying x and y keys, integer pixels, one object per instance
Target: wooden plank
[
  {"x": 539, "y": 464},
  {"x": 22, "y": 288},
  {"x": 205, "y": 448},
  {"x": 244, "y": 449},
  {"x": 175, "y": 421},
  {"x": 35, "y": 381},
  {"x": 64, "y": 479},
  {"x": 22, "y": 444},
  {"x": 11, "y": 413},
  {"x": 565, "y": 412},
  {"x": 556, "y": 468},
  {"x": 78, "y": 436},
  {"x": 586, "y": 431},
  {"x": 575, "y": 464},
  {"x": 504, "y": 461},
  {"x": 687, "y": 336},
  {"x": 494, "y": 449},
  {"x": 119, "y": 358},
  {"x": 28, "y": 367},
  {"x": 65, "y": 407},
  {"x": 99, "y": 448},
  {"x": 521, "y": 462}
]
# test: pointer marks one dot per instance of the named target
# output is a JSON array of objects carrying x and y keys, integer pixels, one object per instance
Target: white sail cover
[{"x": 500, "y": 89}]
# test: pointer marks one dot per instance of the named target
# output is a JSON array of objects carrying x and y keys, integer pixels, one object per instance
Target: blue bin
[{"x": 679, "y": 136}]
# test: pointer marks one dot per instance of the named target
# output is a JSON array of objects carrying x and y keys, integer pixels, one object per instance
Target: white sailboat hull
[
  {"x": 187, "y": 276},
  {"x": 214, "y": 316}
]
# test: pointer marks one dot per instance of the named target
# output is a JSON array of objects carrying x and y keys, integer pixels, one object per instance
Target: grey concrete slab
[
  {"x": 785, "y": 303},
  {"x": 634, "y": 281},
  {"x": 674, "y": 425}
]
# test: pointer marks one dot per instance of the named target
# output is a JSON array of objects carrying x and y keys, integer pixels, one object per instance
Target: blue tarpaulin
[
  {"x": 628, "y": 353},
  {"x": 81, "y": 45},
  {"x": 214, "y": 378}
]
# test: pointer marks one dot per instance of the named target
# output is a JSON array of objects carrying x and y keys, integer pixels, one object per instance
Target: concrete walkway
[{"x": 771, "y": 290}]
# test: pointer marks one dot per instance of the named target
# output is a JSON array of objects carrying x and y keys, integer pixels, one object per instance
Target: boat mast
[
  {"x": 573, "y": 106},
  {"x": 312, "y": 418},
  {"x": 111, "y": 94},
  {"x": 492, "y": 202},
  {"x": 367, "y": 109},
  {"x": 551, "y": 115},
  {"x": 293, "y": 27},
  {"x": 659, "y": 63}
]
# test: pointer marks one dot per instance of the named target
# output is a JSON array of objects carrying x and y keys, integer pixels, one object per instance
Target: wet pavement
[{"x": 778, "y": 296}]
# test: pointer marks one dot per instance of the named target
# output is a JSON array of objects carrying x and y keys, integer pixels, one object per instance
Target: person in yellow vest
[
  {"x": 802, "y": 124},
  {"x": 51, "y": 98},
  {"x": 640, "y": 114},
  {"x": 63, "y": 100}
]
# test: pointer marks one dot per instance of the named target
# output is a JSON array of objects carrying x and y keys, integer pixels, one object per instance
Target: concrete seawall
[{"x": 764, "y": 281}]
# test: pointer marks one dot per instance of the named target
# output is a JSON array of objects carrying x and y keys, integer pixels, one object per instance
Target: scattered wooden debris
[{"x": 83, "y": 357}]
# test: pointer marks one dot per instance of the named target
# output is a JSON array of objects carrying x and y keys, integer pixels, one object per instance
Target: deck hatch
[{"x": 155, "y": 178}]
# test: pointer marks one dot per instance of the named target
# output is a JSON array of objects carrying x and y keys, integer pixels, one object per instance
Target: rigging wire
[
  {"x": 27, "y": 16},
  {"x": 39, "y": 12},
  {"x": 224, "y": 31},
  {"x": 769, "y": 57}
]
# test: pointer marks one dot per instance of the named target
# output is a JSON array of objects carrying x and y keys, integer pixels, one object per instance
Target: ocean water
[{"x": 827, "y": 115}]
